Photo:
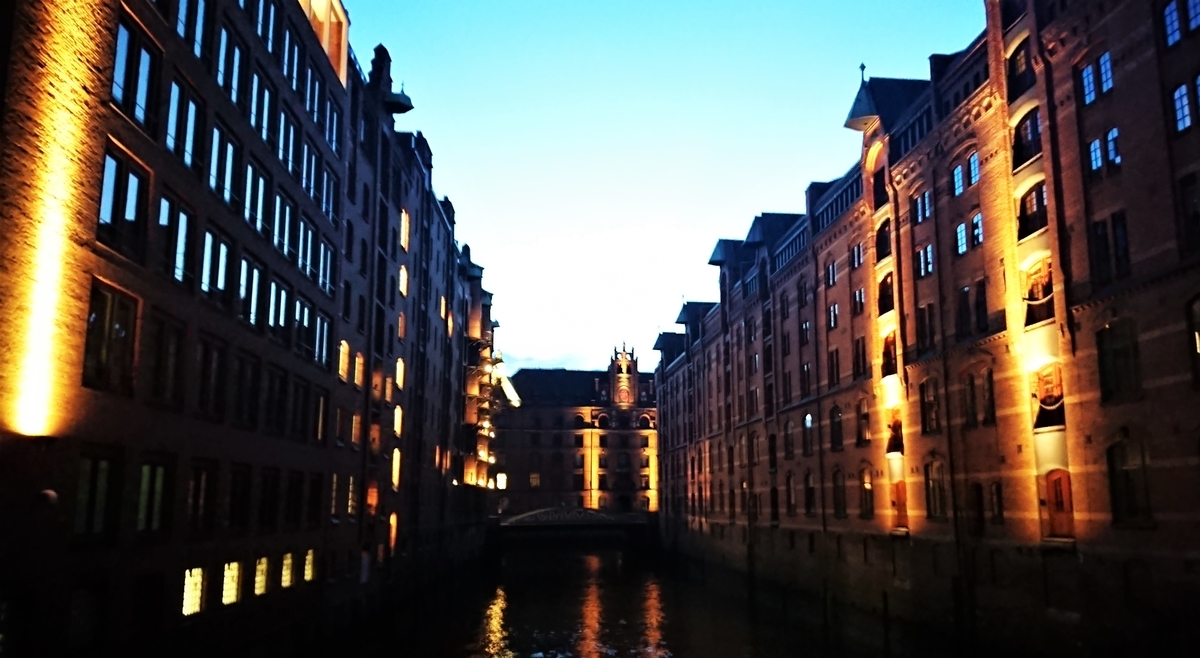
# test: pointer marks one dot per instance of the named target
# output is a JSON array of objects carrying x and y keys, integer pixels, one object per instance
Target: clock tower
[{"x": 623, "y": 376}]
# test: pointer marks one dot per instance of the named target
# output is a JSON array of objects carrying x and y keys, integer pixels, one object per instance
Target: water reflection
[
  {"x": 590, "y": 617},
  {"x": 495, "y": 640},
  {"x": 653, "y": 617}
]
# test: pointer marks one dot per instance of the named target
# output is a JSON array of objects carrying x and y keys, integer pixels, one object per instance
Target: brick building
[
  {"x": 241, "y": 333},
  {"x": 960, "y": 391},
  {"x": 580, "y": 439}
]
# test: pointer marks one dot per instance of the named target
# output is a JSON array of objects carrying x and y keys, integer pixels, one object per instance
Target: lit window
[
  {"x": 310, "y": 565},
  {"x": 356, "y": 428},
  {"x": 344, "y": 360},
  {"x": 1114, "y": 149},
  {"x": 449, "y": 324},
  {"x": 231, "y": 588},
  {"x": 400, "y": 373},
  {"x": 1182, "y": 109},
  {"x": 351, "y": 500},
  {"x": 404, "y": 229},
  {"x": 535, "y": 480},
  {"x": 397, "y": 420},
  {"x": 193, "y": 591},
  {"x": 402, "y": 280},
  {"x": 1089, "y": 84},
  {"x": 1106, "y": 70},
  {"x": 285, "y": 573},
  {"x": 442, "y": 308},
  {"x": 501, "y": 481},
  {"x": 1171, "y": 23},
  {"x": 959, "y": 184},
  {"x": 977, "y": 230},
  {"x": 262, "y": 569},
  {"x": 973, "y": 161},
  {"x": 1096, "y": 155},
  {"x": 396, "y": 465},
  {"x": 372, "y": 502},
  {"x": 960, "y": 241},
  {"x": 333, "y": 496},
  {"x": 393, "y": 530},
  {"x": 401, "y": 326},
  {"x": 359, "y": 369}
]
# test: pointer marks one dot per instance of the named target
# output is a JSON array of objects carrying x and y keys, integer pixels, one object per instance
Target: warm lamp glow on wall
[
  {"x": 890, "y": 386},
  {"x": 64, "y": 75}
]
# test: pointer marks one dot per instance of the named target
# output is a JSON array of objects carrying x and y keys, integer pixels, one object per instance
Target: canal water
[{"x": 589, "y": 605}]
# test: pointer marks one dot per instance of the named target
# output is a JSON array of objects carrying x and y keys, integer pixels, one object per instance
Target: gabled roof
[
  {"x": 883, "y": 99},
  {"x": 725, "y": 251},
  {"x": 575, "y": 388},
  {"x": 693, "y": 311},
  {"x": 767, "y": 227}
]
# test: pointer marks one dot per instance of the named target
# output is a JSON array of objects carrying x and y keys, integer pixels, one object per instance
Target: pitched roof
[
  {"x": 885, "y": 99},
  {"x": 567, "y": 388}
]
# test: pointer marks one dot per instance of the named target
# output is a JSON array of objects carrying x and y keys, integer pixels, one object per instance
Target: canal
[{"x": 590, "y": 604}]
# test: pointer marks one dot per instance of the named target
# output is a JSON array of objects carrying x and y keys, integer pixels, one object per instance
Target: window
[
  {"x": 277, "y": 311},
  {"x": 304, "y": 248},
  {"x": 1020, "y": 71},
  {"x": 810, "y": 494},
  {"x": 883, "y": 240},
  {"x": 832, "y": 321},
  {"x": 402, "y": 281},
  {"x": 359, "y": 369},
  {"x": 231, "y": 586},
  {"x": 1171, "y": 24},
  {"x": 861, "y": 367},
  {"x": 262, "y": 574},
  {"x": 325, "y": 254},
  {"x": 989, "y": 397},
  {"x": 1114, "y": 150},
  {"x": 291, "y": 58},
  {"x": 926, "y": 323},
  {"x": 255, "y": 208},
  {"x": 123, "y": 207},
  {"x": 1095, "y": 157},
  {"x": 247, "y": 373},
  {"x": 281, "y": 227},
  {"x": 1106, "y": 69},
  {"x": 166, "y": 361},
  {"x": 960, "y": 239},
  {"x": 310, "y": 562},
  {"x": 1033, "y": 216},
  {"x": 286, "y": 571},
  {"x": 1088, "y": 78},
  {"x": 229, "y": 64},
  {"x": 404, "y": 229},
  {"x": 1027, "y": 139},
  {"x": 193, "y": 585},
  {"x": 973, "y": 169},
  {"x": 805, "y": 332},
  {"x": 970, "y": 406},
  {"x": 859, "y": 303},
  {"x": 830, "y": 274},
  {"x": 214, "y": 267},
  {"x": 1109, "y": 250},
  {"x": 836, "y": 439},
  {"x": 856, "y": 261},
  {"x": 806, "y": 435},
  {"x": 977, "y": 230},
  {"x": 183, "y": 123},
  {"x": 862, "y": 435},
  {"x": 210, "y": 359},
  {"x": 221, "y": 163},
  {"x": 887, "y": 294},
  {"x": 109, "y": 345},
  {"x": 249, "y": 283},
  {"x": 201, "y": 499},
  {"x": 935, "y": 490},
  {"x": 929, "y": 407},
  {"x": 1117, "y": 350},
  {"x": 264, "y": 24},
  {"x": 134, "y": 67},
  {"x": 806, "y": 388},
  {"x": 922, "y": 206},
  {"x": 1193, "y": 10},
  {"x": 189, "y": 24},
  {"x": 959, "y": 184},
  {"x": 1183, "y": 109},
  {"x": 924, "y": 261},
  {"x": 889, "y": 364},
  {"x": 94, "y": 495},
  {"x": 835, "y": 364},
  {"x": 839, "y": 493},
  {"x": 981, "y": 307},
  {"x": 305, "y": 325},
  {"x": 287, "y": 142},
  {"x": 1128, "y": 483},
  {"x": 320, "y": 339},
  {"x": 866, "y": 494}
]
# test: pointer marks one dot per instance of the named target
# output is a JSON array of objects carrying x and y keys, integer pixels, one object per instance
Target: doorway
[{"x": 1058, "y": 504}]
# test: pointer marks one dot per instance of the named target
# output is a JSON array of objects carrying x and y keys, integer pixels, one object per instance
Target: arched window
[
  {"x": 580, "y": 423},
  {"x": 344, "y": 361},
  {"x": 1027, "y": 140},
  {"x": 790, "y": 492},
  {"x": 1032, "y": 213},
  {"x": 359, "y": 368},
  {"x": 810, "y": 494},
  {"x": 1127, "y": 482},
  {"x": 989, "y": 397},
  {"x": 789, "y": 440},
  {"x": 1039, "y": 290},
  {"x": 772, "y": 459},
  {"x": 1020, "y": 71},
  {"x": 806, "y": 435},
  {"x": 883, "y": 240},
  {"x": 839, "y": 493},
  {"x": 866, "y": 494},
  {"x": 835, "y": 429},
  {"x": 887, "y": 294},
  {"x": 774, "y": 505},
  {"x": 862, "y": 433},
  {"x": 889, "y": 365},
  {"x": 935, "y": 489},
  {"x": 970, "y": 403},
  {"x": 604, "y": 423},
  {"x": 644, "y": 423}
]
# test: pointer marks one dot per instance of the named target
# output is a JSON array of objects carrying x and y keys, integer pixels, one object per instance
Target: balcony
[
  {"x": 1028, "y": 224},
  {"x": 1039, "y": 310}
]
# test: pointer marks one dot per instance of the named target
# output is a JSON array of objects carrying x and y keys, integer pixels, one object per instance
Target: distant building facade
[
  {"x": 235, "y": 406},
  {"x": 585, "y": 439},
  {"x": 963, "y": 385}
]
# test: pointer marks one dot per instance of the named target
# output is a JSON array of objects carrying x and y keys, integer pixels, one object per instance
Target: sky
[{"x": 596, "y": 150}]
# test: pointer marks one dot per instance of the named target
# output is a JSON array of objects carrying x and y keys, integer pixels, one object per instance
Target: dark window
[
  {"x": 247, "y": 372},
  {"x": 109, "y": 347},
  {"x": 970, "y": 404},
  {"x": 1032, "y": 212},
  {"x": 810, "y": 495},
  {"x": 935, "y": 490},
  {"x": 96, "y": 496},
  {"x": 839, "y": 493},
  {"x": 123, "y": 206},
  {"x": 166, "y": 361},
  {"x": 929, "y": 407},
  {"x": 835, "y": 368},
  {"x": 1020, "y": 71},
  {"x": 1027, "y": 139},
  {"x": 154, "y": 498},
  {"x": 861, "y": 365},
  {"x": 293, "y": 506},
  {"x": 239, "y": 498},
  {"x": 268, "y": 501},
  {"x": 866, "y": 494},
  {"x": 862, "y": 432},
  {"x": 836, "y": 440},
  {"x": 879, "y": 186},
  {"x": 883, "y": 240},
  {"x": 276, "y": 401},
  {"x": 301, "y": 429},
  {"x": 210, "y": 366},
  {"x": 1127, "y": 482},
  {"x": 887, "y": 295},
  {"x": 1117, "y": 350},
  {"x": 989, "y": 397},
  {"x": 962, "y": 315},
  {"x": 201, "y": 498},
  {"x": 313, "y": 505},
  {"x": 926, "y": 319},
  {"x": 981, "y": 307}
]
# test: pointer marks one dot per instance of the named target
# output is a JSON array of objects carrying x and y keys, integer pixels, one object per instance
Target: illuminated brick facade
[
  {"x": 579, "y": 439},
  {"x": 234, "y": 397},
  {"x": 966, "y": 379}
]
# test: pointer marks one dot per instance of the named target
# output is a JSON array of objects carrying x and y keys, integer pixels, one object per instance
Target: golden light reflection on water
[
  {"x": 653, "y": 611},
  {"x": 495, "y": 639},
  {"x": 591, "y": 612}
]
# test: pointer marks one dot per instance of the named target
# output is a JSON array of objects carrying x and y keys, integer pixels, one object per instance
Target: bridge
[{"x": 554, "y": 527}]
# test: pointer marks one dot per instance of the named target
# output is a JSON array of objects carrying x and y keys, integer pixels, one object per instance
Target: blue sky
[{"x": 595, "y": 151}]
